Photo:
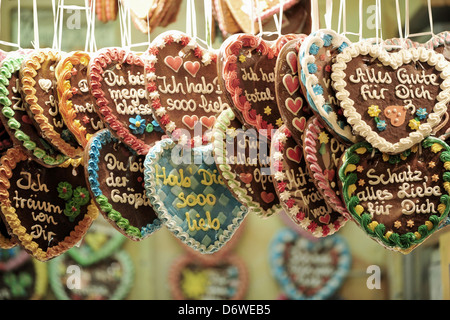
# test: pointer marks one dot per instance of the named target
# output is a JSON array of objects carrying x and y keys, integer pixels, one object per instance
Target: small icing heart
[
  {"x": 294, "y": 154},
  {"x": 267, "y": 197},
  {"x": 325, "y": 219},
  {"x": 173, "y": 63},
  {"x": 190, "y": 121},
  {"x": 246, "y": 177},
  {"x": 208, "y": 122},
  {"x": 299, "y": 123},
  {"x": 45, "y": 84},
  {"x": 291, "y": 59},
  {"x": 294, "y": 106},
  {"x": 291, "y": 83},
  {"x": 396, "y": 114},
  {"x": 26, "y": 119},
  {"x": 192, "y": 67}
]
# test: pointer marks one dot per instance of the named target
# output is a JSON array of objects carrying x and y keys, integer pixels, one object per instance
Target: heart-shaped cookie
[
  {"x": 183, "y": 87},
  {"x": 190, "y": 279},
  {"x": 317, "y": 54},
  {"x": 398, "y": 200},
  {"x": 322, "y": 153},
  {"x": 297, "y": 192},
  {"x": 248, "y": 75},
  {"x": 40, "y": 99},
  {"x": 309, "y": 270},
  {"x": 292, "y": 104},
  {"x": 27, "y": 280},
  {"x": 75, "y": 101},
  {"x": 190, "y": 197},
  {"x": 48, "y": 210},
  {"x": 15, "y": 117},
  {"x": 116, "y": 80},
  {"x": 115, "y": 175},
  {"x": 393, "y": 100},
  {"x": 244, "y": 165},
  {"x": 108, "y": 279},
  {"x": 101, "y": 241}
]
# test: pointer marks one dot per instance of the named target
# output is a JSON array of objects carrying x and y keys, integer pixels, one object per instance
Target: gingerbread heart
[
  {"x": 371, "y": 83},
  {"x": 26, "y": 280},
  {"x": 244, "y": 165},
  {"x": 116, "y": 80},
  {"x": 322, "y": 153},
  {"x": 226, "y": 279},
  {"x": 398, "y": 200},
  {"x": 190, "y": 197},
  {"x": 115, "y": 175},
  {"x": 292, "y": 104},
  {"x": 48, "y": 210},
  {"x": 183, "y": 87},
  {"x": 15, "y": 116},
  {"x": 309, "y": 270},
  {"x": 40, "y": 99},
  {"x": 108, "y": 279},
  {"x": 75, "y": 101},
  {"x": 249, "y": 78},
  {"x": 439, "y": 43},
  {"x": 100, "y": 242},
  {"x": 317, "y": 54},
  {"x": 298, "y": 194}
]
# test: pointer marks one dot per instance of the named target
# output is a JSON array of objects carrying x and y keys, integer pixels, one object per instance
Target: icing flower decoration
[
  {"x": 422, "y": 113},
  {"x": 137, "y": 125},
  {"x": 313, "y": 49},
  {"x": 381, "y": 125},
  {"x": 81, "y": 196},
  {"x": 374, "y": 111},
  {"x": 64, "y": 190},
  {"x": 317, "y": 89},
  {"x": 414, "y": 124},
  {"x": 72, "y": 210}
]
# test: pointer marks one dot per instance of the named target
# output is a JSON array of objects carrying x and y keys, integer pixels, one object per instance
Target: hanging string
[
  {"x": 328, "y": 14},
  {"x": 314, "y": 16},
  {"x": 279, "y": 20},
  {"x": 430, "y": 18},
  {"x": 343, "y": 19},
  {"x": 208, "y": 22},
  {"x": 10, "y": 44},
  {"x": 35, "y": 43}
]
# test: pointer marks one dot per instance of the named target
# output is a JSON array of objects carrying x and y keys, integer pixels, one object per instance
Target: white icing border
[
  {"x": 311, "y": 79},
  {"x": 395, "y": 60}
]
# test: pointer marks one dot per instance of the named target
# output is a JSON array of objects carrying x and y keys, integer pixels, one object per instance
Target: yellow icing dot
[
  {"x": 403, "y": 157},
  {"x": 351, "y": 189},
  {"x": 447, "y": 165},
  {"x": 361, "y": 150},
  {"x": 388, "y": 234},
  {"x": 441, "y": 208},
  {"x": 415, "y": 148},
  {"x": 429, "y": 225},
  {"x": 350, "y": 168},
  {"x": 385, "y": 157},
  {"x": 359, "y": 209},
  {"x": 372, "y": 225},
  {"x": 436, "y": 147},
  {"x": 447, "y": 186},
  {"x": 417, "y": 235}
]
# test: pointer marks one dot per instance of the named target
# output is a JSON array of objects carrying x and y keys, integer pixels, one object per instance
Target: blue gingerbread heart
[{"x": 190, "y": 197}]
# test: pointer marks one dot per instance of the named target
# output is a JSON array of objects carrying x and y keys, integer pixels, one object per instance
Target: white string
[
  {"x": 208, "y": 22},
  {"x": 61, "y": 19},
  {"x": 93, "y": 43},
  {"x": 18, "y": 24},
  {"x": 328, "y": 14},
  {"x": 191, "y": 20},
  {"x": 258, "y": 16},
  {"x": 10, "y": 44},
  {"x": 314, "y": 15},
  {"x": 279, "y": 19},
  {"x": 430, "y": 18},
  {"x": 35, "y": 43},
  {"x": 360, "y": 32}
]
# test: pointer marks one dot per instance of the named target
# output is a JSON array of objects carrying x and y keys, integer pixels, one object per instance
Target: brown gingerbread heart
[
  {"x": 47, "y": 210},
  {"x": 183, "y": 88}
]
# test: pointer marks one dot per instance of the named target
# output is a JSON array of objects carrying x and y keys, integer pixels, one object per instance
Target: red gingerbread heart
[
  {"x": 248, "y": 76},
  {"x": 179, "y": 95}
]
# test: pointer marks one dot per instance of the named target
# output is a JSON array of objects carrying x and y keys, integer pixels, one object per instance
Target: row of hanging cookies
[{"x": 139, "y": 99}]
